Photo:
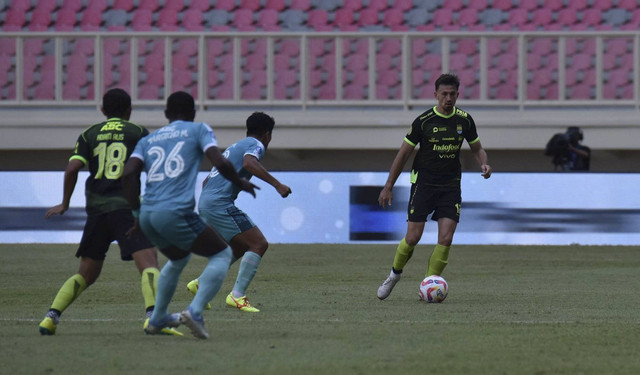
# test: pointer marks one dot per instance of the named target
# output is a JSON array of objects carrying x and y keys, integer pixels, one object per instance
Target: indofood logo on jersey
[{"x": 446, "y": 148}]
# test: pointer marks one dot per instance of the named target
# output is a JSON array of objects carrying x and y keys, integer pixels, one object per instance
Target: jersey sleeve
[
  {"x": 207, "y": 138},
  {"x": 414, "y": 135},
  {"x": 82, "y": 151},
  {"x": 138, "y": 151},
  {"x": 255, "y": 149},
  {"x": 471, "y": 135}
]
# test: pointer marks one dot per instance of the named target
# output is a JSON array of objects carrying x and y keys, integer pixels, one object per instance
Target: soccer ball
[{"x": 433, "y": 289}]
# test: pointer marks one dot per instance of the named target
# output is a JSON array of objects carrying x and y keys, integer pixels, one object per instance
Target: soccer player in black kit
[
  {"x": 104, "y": 148},
  {"x": 435, "y": 177}
]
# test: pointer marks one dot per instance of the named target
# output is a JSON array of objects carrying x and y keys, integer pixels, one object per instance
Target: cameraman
[
  {"x": 567, "y": 152},
  {"x": 579, "y": 155}
]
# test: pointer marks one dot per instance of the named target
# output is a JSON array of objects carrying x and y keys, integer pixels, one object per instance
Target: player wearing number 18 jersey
[{"x": 104, "y": 148}]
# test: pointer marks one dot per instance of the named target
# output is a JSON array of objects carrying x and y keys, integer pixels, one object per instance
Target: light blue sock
[
  {"x": 167, "y": 283},
  {"x": 211, "y": 280},
  {"x": 246, "y": 272}
]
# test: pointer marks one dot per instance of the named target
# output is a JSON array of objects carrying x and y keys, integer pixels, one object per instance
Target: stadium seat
[
  {"x": 302, "y": 5},
  {"x": 72, "y": 5},
  {"x": 46, "y": 5},
  {"x": 151, "y": 5},
  {"x": 417, "y": 17},
  {"x": 243, "y": 20},
  {"x": 318, "y": 20},
  {"x": 629, "y": 5},
  {"x": 91, "y": 20},
  {"x": 268, "y": 20},
  {"x": 389, "y": 78},
  {"x": 391, "y": 46},
  {"x": 33, "y": 46},
  {"x": 183, "y": 80},
  {"x": 116, "y": 20},
  {"x": 344, "y": 20},
  {"x": 368, "y": 17},
  {"x": 142, "y": 20},
  {"x": 71, "y": 91},
  {"x": 609, "y": 61},
  {"x": 187, "y": 47},
  {"x": 394, "y": 20},
  {"x": 192, "y": 20},
  {"x": 199, "y": 5},
  {"x": 503, "y": 4},
  {"x": 126, "y": 5},
  {"x": 582, "y": 61},
  {"x": 251, "y": 92},
  {"x": 619, "y": 77},
  {"x": 603, "y": 5},
  {"x": 22, "y": 5},
  {"x": 383, "y": 61},
  {"x": 168, "y": 20},
  {"x": 542, "y": 17},
  {"x": 591, "y": 17},
  {"x": 554, "y": 5},
  {"x": 40, "y": 20},
  {"x": 353, "y": 5},
  {"x": 217, "y": 20},
  {"x": 443, "y": 18},
  {"x": 65, "y": 20},
  {"x": 149, "y": 91},
  {"x": 153, "y": 76},
  {"x": 353, "y": 91},
  {"x": 356, "y": 62},
  {"x": 228, "y": 5},
  {"x": 175, "y": 5},
  {"x": 7, "y": 47},
  {"x": 468, "y": 18},
  {"x": 378, "y": 5},
  {"x": 578, "y": 4},
  {"x": 288, "y": 77},
  {"x": 618, "y": 46},
  {"x": 542, "y": 46},
  {"x": 97, "y": 5},
  {"x": 534, "y": 91},
  {"x": 252, "y": 5},
  {"x": 454, "y": 5},
  {"x": 289, "y": 47},
  {"x": 15, "y": 20},
  {"x": 566, "y": 17},
  {"x": 44, "y": 91},
  {"x": 580, "y": 91},
  {"x": 277, "y": 5}
]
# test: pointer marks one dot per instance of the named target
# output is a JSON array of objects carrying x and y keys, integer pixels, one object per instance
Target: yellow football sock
[
  {"x": 438, "y": 260},
  {"x": 403, "y": 254},
  {"x": 149, "y": 286},
  {"x": 69, "y": 291}
]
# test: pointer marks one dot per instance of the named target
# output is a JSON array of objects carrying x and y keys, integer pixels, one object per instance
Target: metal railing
[{"x": 301, "y": 70}]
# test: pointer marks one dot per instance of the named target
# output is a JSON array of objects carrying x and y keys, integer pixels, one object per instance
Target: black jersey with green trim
[
  {"x": 105, "y": 148},
  {"x": 437, "y": 161}
]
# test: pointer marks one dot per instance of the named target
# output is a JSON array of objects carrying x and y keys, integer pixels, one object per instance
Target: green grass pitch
[{"x": 510, "y": 310}]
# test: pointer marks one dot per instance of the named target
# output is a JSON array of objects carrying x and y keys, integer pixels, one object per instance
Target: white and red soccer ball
[{"x": 433, "y": 289}]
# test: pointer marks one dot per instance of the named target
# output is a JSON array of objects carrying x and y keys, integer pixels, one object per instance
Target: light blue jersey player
[
  {"x": 217, "y": 207},
  {"x": 171, "y": 156}
]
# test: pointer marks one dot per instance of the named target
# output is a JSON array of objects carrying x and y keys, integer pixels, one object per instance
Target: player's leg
[
  {"x": 448, "y": 215},
  {"x": 91, "y": 251},
  {"x": 211, "y": 245},
  {"x": 256, "y": 246},
  {"x": 440, "y": 254}
]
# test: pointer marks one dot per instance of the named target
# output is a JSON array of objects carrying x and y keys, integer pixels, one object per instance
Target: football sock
[
  {"x": 54, "y": 315},
  {"x": 68, "y": 293},
  {"x": 211, "y": 280},
  {"x": 246, "y": 272},
  {"x": 438, "y": 260},
  {"x": 149, "y": 285},
  {"x": 167, "y": 283},
  {"x": 403, "y": 254}
]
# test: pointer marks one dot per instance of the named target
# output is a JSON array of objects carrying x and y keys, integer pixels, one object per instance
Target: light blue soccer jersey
[
  {"x": 172, "y": 156},
  {"x": 219, "y": 191}
]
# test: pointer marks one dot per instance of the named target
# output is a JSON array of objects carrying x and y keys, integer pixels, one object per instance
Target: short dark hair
[
  {"x": 448, "y": 79},
  {"x": 116, "y": 103},
  {"x": 181, "y": 105},
  {"x": 259, "y": 123}
]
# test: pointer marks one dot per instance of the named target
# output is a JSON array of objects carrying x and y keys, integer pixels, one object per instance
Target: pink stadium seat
[
  {"x": 344, "y": 20},
  {"x": 15, "y": 20},
  {"x": 192, "y": 20},
  {"x": 443, "y": 17},
  {"x": 111, "y": 46},
  {"x": 619, "y": 77},
  {"x": 91, "y": 20},
  {"x": 503, "y": 4},
  {"x": 534, "y": 91},
  {"x": 282, "y": 61},
  {"x": 255, "y": 62},
  {"x": 617, "y": 46},
  {"x": 604, "y": 5},
  {"x": 353, "y": 91},
  {"x": 277, "y": 5},
  {"x": 65, "y": 20},
  {"x": 23, "y": 5},
  {"x": 215, "y": 47},
  {"x": 179, "y": 61},
  {"x": 40, "y": 20},
  {"x": 187, "y": 47},
  {"x": 578, "y": 4},
  {"x": 199, "y": 5},
  {"x": 383, "y": 61},
  {"x": 468, "y": 17},
  {"x": 243, "y": 20},
  {"x": 151, "y": 5},
  {"x": 581, "y": 61},
  {"x": 368, "y": 17},
  {"x": 44, "y": 91},
  {"x": 317, "y": 47},
  {"x": 97, "y": 5},
  {"x": 268, "y": 20},
  {"x": 356, "y": 62},
  {"x": 378, "y": 5},
  {"x": 154, "y": 77},
  {"x": 252, "y": 5},
  {"x": 542, "y": 17},
  {"x": 149, "y": 91},
  {"x": 394, "y": 20},
  {"x": 142, "y": 20},
  {"x": 303, "y": 5},
  {"x": 407, "y": 5},
  {"x": 72, "y": 5},
  {"x": 286, "y": 76},
  {"x": 251, "y": 92},
  {"x": 454, "y": 5},
  {"x": 46, "y": 5},
  {"x": 554, "y": 5},
  {"x": 609, "y": 61},
  {"x": 227, "y": 5},
  {"x": 168, "y": 20},
  {"x": 71, "y": 91},
  {"x": 7, "y": 47},
  {"x": 290, "y": 47},
  {"x": 566, "y": 17},
  {"x": 391, "y": 46},
  {"x": 258, "y": 77},
  {"x": 175, "y": 5},
  {"x": 457, "y": 61},
  {"x": 580, "y": 91},
  {"x": 591, "y": 17},
  {"x": 478, "y": 5},
  {"x": 541, "y": 46},
  {"x": 353, "y": 5},
  {"x": 467, "y": 46},
  {"x": 389, "y": 78},
  {"x": 534, "y": 61},
  {"x": 33, "y": 46},
  {"x": 123, "y": 4},
  {"x": 629, "y": 5},
  {"x": 518, "y": 18},
  {"x": 181, "y": 79},
  {"x": 318, "y": 20}
]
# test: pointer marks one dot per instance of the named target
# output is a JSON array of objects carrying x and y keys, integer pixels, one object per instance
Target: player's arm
[
  {"x": 70, "y": 179},
  {"x": 253, "y": 166},
  {"x": 131, "y": 182},
  {"x": 227, "y": 170},
  {"x": 386, "y": 195},
  {"x": 482, "y": 158}
]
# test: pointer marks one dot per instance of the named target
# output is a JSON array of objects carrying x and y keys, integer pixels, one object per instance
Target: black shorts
[
  {"x": 101, "y": 230},
  {"x": 443, "y": 201}
]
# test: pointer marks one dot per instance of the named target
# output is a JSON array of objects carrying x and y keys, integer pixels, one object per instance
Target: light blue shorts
[
  {"x": 167, "y": 228},
  {"x": 228, "y": 221}
]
